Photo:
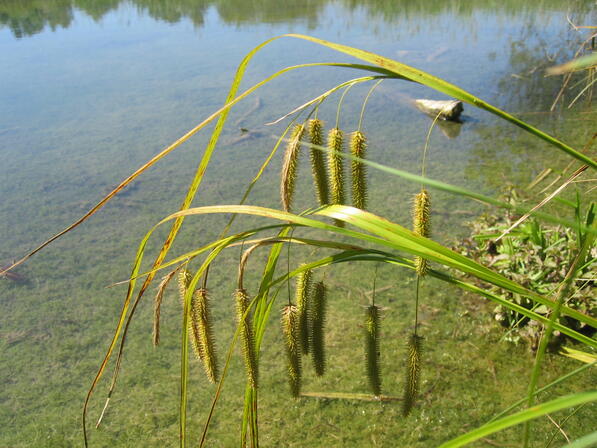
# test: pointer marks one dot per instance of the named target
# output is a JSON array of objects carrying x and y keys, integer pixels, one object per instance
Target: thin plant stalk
[{"x": 564, "y": 292}]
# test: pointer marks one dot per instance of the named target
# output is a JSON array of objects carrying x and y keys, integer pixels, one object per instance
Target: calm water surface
[{"x": 91, "y": 90}]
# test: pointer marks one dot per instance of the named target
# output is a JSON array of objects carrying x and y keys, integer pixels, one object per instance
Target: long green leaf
[
  {"x": 547, "y": 386},
  {"x": 549, "y": 327},
  {"x": 521, "y": 417},
  {"x": 379, "y": 256},
  {"x": 384, "y": 66},
  {"x": 184, "y": 353},
  {"x": 123, "y": 321},
  {"x": 440, "y": 85},
  {"x": 588, "y": 441},
  {"x": 405, "y": 239},
  {"x": 388, "y": 234},
  {"x": 581, "y": 63},
  {"x": 260, "y": 319},
  {"x": 453, "y": 189}
]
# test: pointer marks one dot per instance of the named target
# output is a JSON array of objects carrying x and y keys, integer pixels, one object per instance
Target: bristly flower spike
[
  {"x": 372, "y": 348},
  {"x": 318, "y": 315},
  {"x": 293, "y": 350},
  {"x": 202, "y": 324},
  {"x": 358, "y": 148},
  {"x": 413, "y": 369},
  {"x": 289, "y": 167},
  {"x": 320, "y": 175},
  {"x": 303, "y": 299},
  {"x": 336, "y": 165},
  {"x": 247, "y": 339},
  {"x": 421, "y": 224}
]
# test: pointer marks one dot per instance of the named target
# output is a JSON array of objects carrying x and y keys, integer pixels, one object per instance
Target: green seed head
[
  {"x": 336, "y": 165},
  {"x": 201, "y": 326},
  {"x": 421, "y": 225},
  {"x": 289, "y": 167},
  {"x": 358, "y": 148},
  {"x": 184, "y": 279},
  {"x": 293, "y": 351},
  {"x": 318, "y": 315},
  {"x": 243, "y": 318},
  {"x": 318, "y": 168},
  {"x": 413, "y": 370},
  {"x": 372, "y": 349},
  {"x": 302, "y": 297},
  {"x": 157, "y": 306},
  {"x": 421, "y": 213}
]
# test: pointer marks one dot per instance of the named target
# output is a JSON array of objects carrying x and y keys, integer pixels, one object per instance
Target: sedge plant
[{"x": 348, "y": 234}]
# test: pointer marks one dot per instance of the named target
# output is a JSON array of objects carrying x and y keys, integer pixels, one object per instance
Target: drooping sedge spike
[
  {"x": 293, "y": 350},
  {"x": 184, "y": 279},
  {"x": 320, "y": 177},
  {"x": 157, "y": 306},
  {"x": 317, "y": 314},
  {"x": 336, "y": 165},
  {"x": 358, "y": 148},
  {"x": 243, "y": 318},
  {"x": 289, "y": 167},
  {"x": 413, "y": 371},
  {"x": 421, "y": 225},
  {"x": 372, "y": 352},
  {"x": 202, "y": 324},
  {"x": 302, "y": 298}
]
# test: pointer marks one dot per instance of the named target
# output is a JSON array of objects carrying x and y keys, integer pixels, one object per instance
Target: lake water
[{"x": 89, "y": 91}]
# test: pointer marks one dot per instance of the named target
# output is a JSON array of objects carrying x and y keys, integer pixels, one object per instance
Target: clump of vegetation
[{"x": 537, "y": 256}]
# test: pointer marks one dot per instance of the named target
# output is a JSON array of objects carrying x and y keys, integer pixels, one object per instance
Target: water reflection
[{"x": 29, "y": 17}]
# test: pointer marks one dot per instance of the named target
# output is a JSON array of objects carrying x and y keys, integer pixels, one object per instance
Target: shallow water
[{"x": 91, "y": 90}]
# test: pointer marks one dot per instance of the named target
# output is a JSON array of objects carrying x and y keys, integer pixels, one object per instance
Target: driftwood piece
[{"x": 447, "y": 110}]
